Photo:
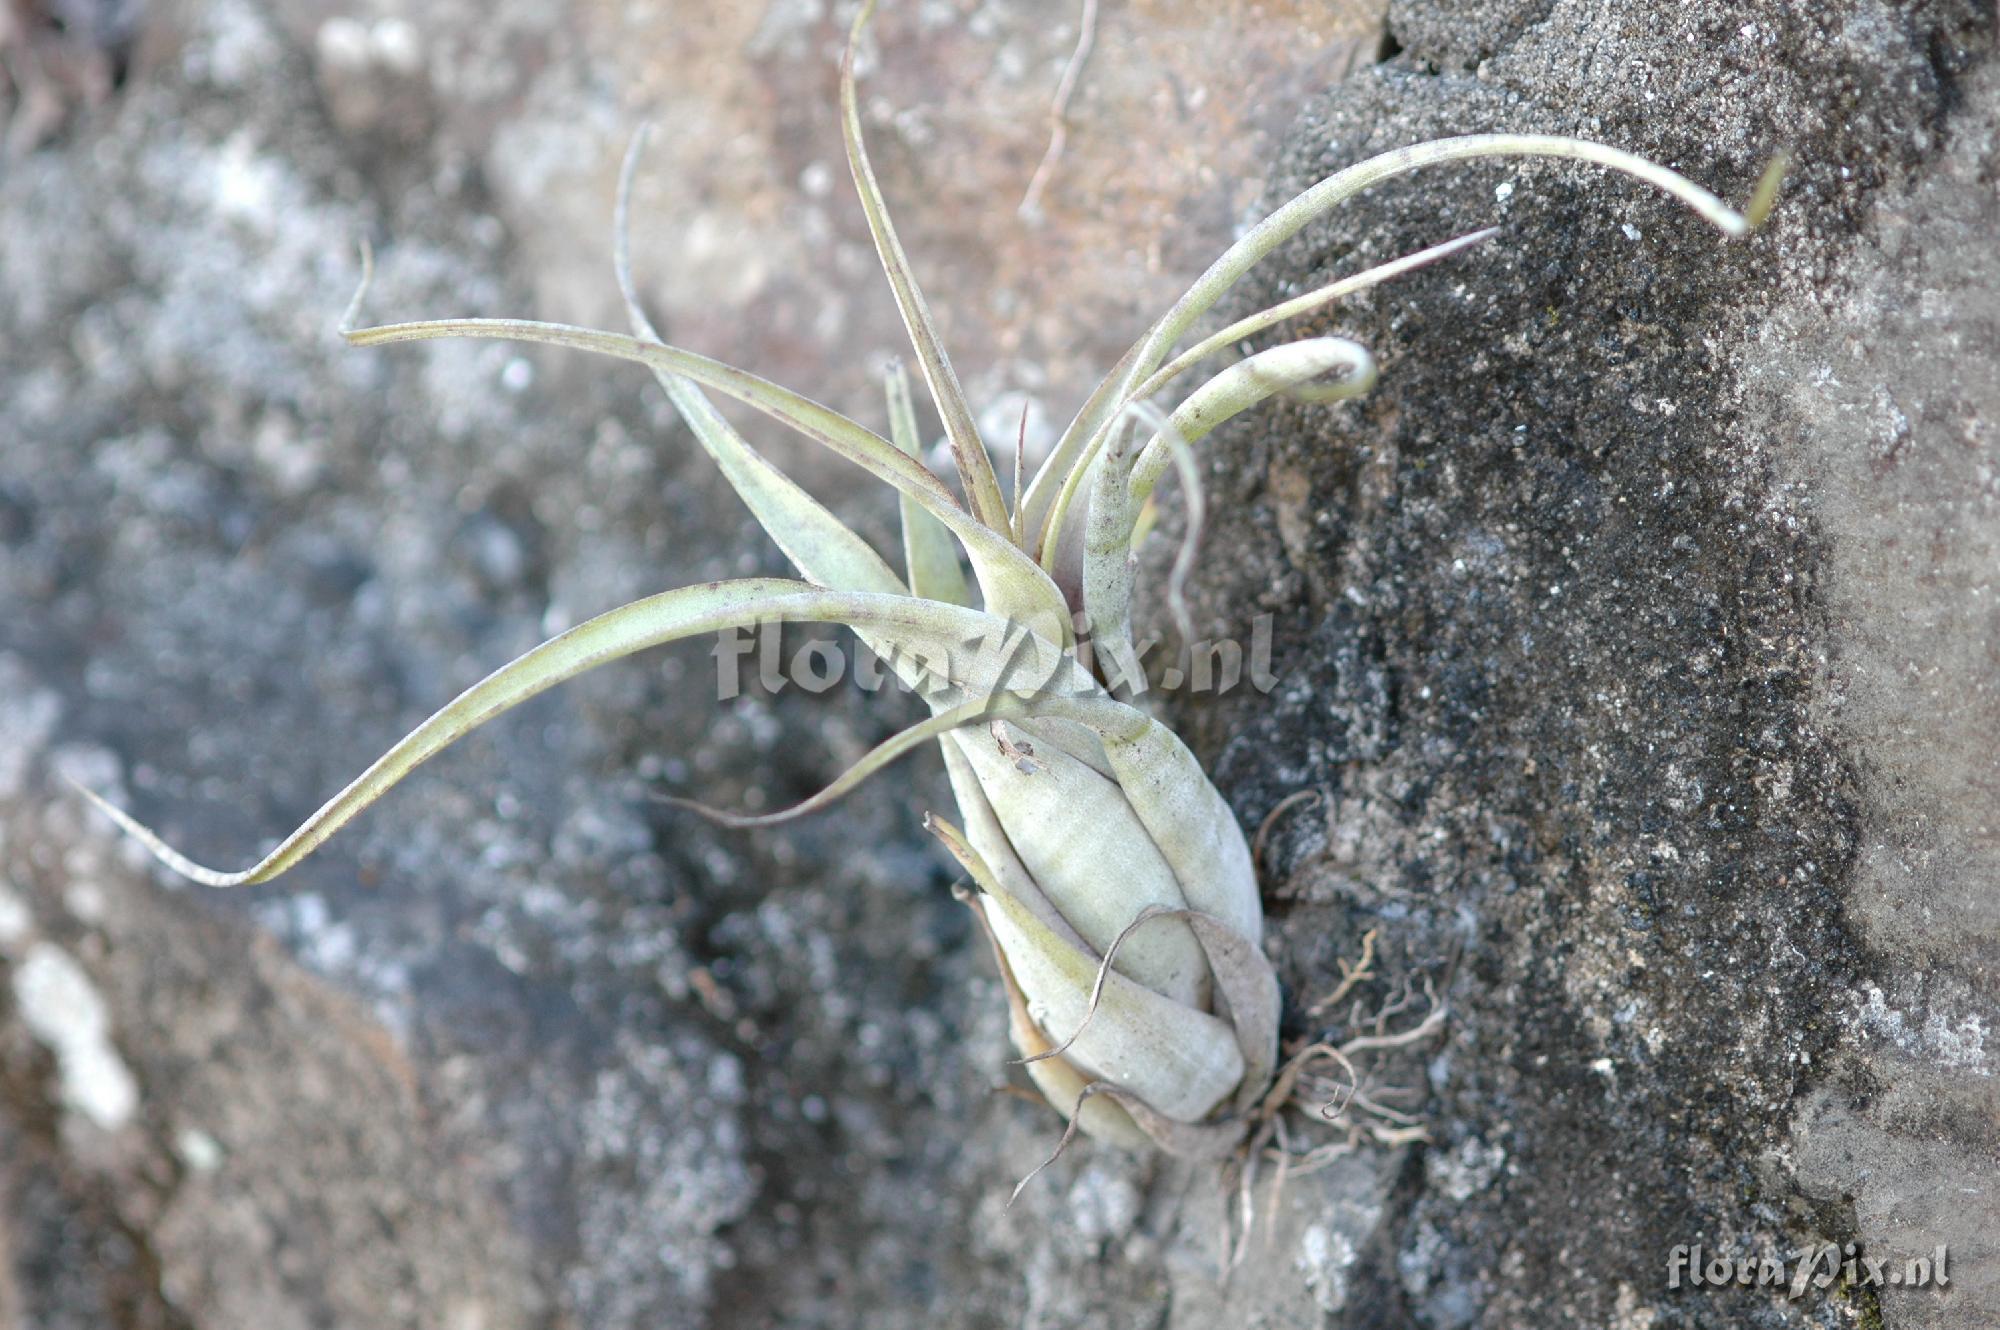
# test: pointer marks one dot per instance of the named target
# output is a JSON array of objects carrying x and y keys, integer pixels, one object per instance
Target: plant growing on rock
[{"x": 1116, "y": 886}]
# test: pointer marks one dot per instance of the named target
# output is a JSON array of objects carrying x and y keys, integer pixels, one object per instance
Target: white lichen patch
[
  {"x": 1103, "y": 1204},
  {"x": 15, "y": 921},
  {"x": 1326, "y": 1255},
  {"x": 28, "y": 716},
  {"x": 1632, "y": 1314},
  {"x": 201, "y": 1152},
  {"x": 1467, "y": 1170},
  {"x": 85, "y": 901},
  {"x": 63, "y": 1010},
  {"x": 1958, "y": 1044}
]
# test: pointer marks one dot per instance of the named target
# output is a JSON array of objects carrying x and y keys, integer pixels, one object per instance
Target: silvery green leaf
[
  {"x": 1181, "y": 1062},
  {"x": 975, "y": 468},
  {"x": 819, "y": 545},
  {"x": 1060, "y": 1083},
  {"x": 937, "y": 633},
  {"x": 1106, "y": 571},
  {"x": 981, "y": 710},
  {"x": 1249, "y": 985},
  {"x": 1081, "y": 438},
  {"x": 1249, "y": 989},
  {"x": 1089, "y": 853},
  {"x": 1253, "y": 324},
  {"x": 1183, "y": 813},
  {"x": 1289, "y": 367},
  {"x": 1013, "y": 585},
  {"x": 988, "y": 840},
  {"x": 928, "y": 551}
]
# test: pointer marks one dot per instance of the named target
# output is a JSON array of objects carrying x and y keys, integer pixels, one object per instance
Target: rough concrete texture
[{"x": 1635, "y": 639}]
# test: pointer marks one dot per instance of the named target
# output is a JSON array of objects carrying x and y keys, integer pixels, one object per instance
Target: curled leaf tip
[
  {"x": 1339, "y": 382},
  {"x": 867, "y": 12},
  {"x": 158, "y": 848},
  {"x": 719, "y": 816},
  {"x": 1069, "y": 1134},
  {"x": 621, "y": 233},
  {"x": 1145, "y": 916},
  {"x": 878, "y": 757},
  {"x": 1766, "y": 194},
  {"x": 352, "y": 314}
]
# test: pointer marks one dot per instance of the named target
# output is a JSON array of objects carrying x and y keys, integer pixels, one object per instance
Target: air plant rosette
[{"x": 1111, "y": 876}]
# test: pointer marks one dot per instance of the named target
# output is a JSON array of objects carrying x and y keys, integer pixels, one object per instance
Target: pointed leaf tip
[
  {"x": 975, "y": 468},
  {"x": 878, "y": 757},
  {"x": 350, "y": 318},
  {"x": 165, "y": 853},
  {"x": 861, "y": 18},
  {"x": 1766, "y": 194}
]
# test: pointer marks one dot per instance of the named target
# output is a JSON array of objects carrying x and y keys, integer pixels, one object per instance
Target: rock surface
[{"x": 1636, "y": 645}]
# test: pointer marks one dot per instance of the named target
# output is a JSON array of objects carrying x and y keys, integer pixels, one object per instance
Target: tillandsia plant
[{"x": 1110, "y": 875}]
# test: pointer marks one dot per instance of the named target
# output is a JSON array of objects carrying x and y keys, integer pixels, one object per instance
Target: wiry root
[
  {"x": 1069, "y": 1134},
  {"x": 1334, "y": 1085},
  {"x": 1284, "y": 805},
  {"x": 1030, "y": 206},
  {"x": 1326, "y": 1083},
  {"x": 1350, "y": 974}
]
